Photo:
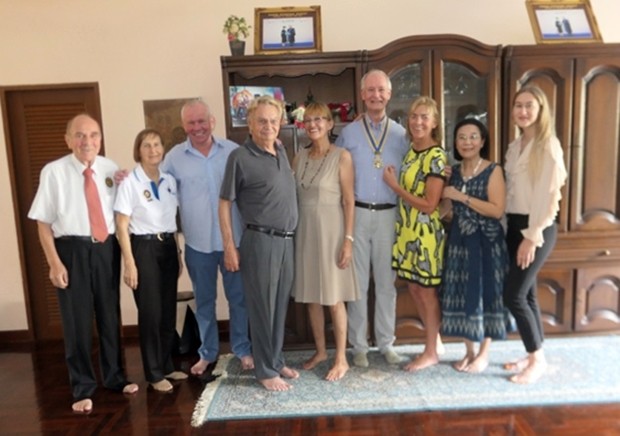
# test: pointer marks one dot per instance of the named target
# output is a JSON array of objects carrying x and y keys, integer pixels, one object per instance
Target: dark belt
[
  {"x": 154, "y": 236},
  {"x": 271, "y": 232},
  {"x": 80, "y": 238},
  {"x": 374, "y": 206}
]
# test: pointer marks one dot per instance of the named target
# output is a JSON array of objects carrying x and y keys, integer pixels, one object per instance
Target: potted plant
[{"x": 237, "y": 29}]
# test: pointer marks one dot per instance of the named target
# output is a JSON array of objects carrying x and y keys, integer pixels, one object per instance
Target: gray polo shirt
[{"x": 263, "y": 187}]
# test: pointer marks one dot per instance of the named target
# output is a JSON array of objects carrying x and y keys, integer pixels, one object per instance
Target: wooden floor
[{"x": 35, "y": 399}]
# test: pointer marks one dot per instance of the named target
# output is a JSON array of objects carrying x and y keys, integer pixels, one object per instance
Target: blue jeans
[{"x": 202, "y": 268}]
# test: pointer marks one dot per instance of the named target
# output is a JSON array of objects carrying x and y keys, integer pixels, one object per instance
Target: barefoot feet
[
  {"x": 423, "y": 361},
  {"x": 83, "y": 406},
  {"x": 276, "y": 384},
  {"x": 287, "y": 372},
  {"x": 337, "y": 371},
  {"x": 479, "y": 364},
  {"x": 162, "y": 386},
  {"x": 199, "y": 367},
  {"x": 531, "y": 373},
  {"x": 517, "y": 366},
  {"x": 314, "y": 360},
  {"x": 130, "y": 388},
  {"x": 461, "y": 365},
  {"x": 247, "y": 362}
]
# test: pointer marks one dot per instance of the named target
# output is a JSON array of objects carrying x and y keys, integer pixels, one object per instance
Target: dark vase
[{"x": 237, "y": 47}]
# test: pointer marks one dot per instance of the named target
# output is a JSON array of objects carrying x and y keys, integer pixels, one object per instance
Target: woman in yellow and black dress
[{"x": 418, "y": 251}]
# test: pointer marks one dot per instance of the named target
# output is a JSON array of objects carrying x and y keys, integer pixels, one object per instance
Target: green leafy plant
[{"x": 236, "y": 28}]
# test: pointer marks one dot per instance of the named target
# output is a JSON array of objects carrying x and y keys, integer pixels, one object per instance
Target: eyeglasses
[
  {"x": 527, "y": 106},
  {"x": 472, "y": 137},
  {"x": 315, "y": 120}
]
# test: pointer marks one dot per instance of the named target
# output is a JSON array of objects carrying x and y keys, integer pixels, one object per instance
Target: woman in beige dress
[{"x": 324, "y": 272}]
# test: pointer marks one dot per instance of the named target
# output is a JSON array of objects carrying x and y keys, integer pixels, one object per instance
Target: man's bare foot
[
  {"x": 247, "y": 362},
  {"x": 176, "y": 375},
  {"x": 460, "y": 365},
  {"x": 337, "y": 371},
  {"x": 199, "y": 367},
  {"x": 314, "y": 360},
  {"x": 517, "y": 366},
  {"x": 83, "y": 406},
  {"x": 477, "y": 365},
  {"x": 421, "y": 362},
  {"x": 130, "y": 388},
  {"x": 275, "y": 384},
  {"x": 531, "y": 373},
  {"x": 287, "y": 372},
  {"x": 162, "y": 386}
]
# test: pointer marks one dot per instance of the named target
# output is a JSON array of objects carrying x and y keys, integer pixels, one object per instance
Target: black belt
[
  {"x": 271, "y": 232},
  {"x": 154, "y": 236},
  {"x": 374, "y": 206},
  {"x": 80, "y": 238}
]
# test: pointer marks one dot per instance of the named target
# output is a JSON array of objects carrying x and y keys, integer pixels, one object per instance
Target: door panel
[{"x": 35, "y": 124}]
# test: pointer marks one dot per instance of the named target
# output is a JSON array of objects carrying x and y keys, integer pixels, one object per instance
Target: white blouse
[{"x": 540, "y": 199}]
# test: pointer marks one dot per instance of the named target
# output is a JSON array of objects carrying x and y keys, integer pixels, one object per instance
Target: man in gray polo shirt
[{"x": 259, "y": 179}]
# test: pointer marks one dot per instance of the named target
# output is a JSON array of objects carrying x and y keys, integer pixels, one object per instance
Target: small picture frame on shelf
[
  {"x": 241, "y": 96},
  {"x": 562, "y": 21},
  {"x": 287, "y": 30}
]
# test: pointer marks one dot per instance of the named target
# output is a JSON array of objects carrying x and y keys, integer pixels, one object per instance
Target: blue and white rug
[{"x": 581, "y": 370}]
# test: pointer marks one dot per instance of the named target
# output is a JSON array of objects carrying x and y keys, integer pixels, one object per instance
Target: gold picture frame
[
  {"x": 287, "y": 30},
  {"x": 563, "y": 21}
]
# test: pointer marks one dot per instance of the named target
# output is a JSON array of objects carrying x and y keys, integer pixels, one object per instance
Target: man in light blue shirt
[
  {"x": 198, "y": 166},
  {"x": 374, "y": 142}
]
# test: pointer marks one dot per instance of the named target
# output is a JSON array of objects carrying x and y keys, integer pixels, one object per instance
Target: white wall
[{"x": 162, "y": 49}]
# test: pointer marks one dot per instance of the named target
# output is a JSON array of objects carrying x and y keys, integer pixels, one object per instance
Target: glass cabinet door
[
  {"x": 406, "y": 86},
  {"x": 464, "y": 96}
]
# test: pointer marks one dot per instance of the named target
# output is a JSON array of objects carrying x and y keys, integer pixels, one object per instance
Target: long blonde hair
[{"x": 544, "y": 129}]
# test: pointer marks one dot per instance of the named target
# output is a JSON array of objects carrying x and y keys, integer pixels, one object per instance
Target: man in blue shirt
[
  {"x": 198, "y": 166},
  {"x": 374, "y": 142}
]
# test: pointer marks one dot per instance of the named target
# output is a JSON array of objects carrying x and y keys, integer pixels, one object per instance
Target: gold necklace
[{"x": 303, "y": 174}]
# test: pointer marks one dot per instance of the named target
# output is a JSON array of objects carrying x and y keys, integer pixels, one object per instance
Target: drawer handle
[{"x": 605, "y": 253}]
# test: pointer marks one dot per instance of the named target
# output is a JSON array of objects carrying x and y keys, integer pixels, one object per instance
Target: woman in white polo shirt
[{"x": 146, "y": 206}]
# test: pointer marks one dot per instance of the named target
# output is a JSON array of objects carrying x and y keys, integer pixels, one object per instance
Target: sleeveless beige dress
[{"x": 320, "y": 233}]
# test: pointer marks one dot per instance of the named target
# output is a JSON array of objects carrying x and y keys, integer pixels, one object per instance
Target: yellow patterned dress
[{"x": 417, "y": 255}]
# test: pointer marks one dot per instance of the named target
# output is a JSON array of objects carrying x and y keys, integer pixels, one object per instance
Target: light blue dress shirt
[
  {"x": 369, "y": 184},
  {"x": 199, "y": 179}
]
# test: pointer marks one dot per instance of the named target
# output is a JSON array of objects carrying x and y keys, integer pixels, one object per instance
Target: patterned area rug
[{"x": 581, "y": 370}]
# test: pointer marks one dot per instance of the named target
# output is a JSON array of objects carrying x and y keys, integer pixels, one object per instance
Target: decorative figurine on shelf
[
  {"x": 309, "y": 97},
  {"x": 236, "y": 29}
]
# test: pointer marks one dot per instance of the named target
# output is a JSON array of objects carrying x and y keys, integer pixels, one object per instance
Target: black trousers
[
  {"x": 520, "y": 295},
  {"x": 94, "y": 278},
  {"x": 156, "y": 298}
]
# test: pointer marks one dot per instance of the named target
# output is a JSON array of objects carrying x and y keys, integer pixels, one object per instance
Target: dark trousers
[
  {"x": 94, "y": 278},
  {"x": 520, "y": 295},
  {"x": 156, "y": 298},
  {"x": 267, "y": 269}
]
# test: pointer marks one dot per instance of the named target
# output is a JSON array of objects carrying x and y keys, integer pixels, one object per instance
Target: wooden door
[
  {"x": 35, "y": 123},
  {"x": 595, "y": 144}
]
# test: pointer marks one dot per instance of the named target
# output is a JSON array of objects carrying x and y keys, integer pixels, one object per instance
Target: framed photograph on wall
[
  {"x": 561, "y": 21},
  {"x": 241, "y": 96},
  {"x": 287, "y": 30}
]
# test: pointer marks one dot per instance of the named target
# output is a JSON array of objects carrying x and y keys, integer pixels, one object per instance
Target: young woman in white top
[{"x": 535, "y": 173}]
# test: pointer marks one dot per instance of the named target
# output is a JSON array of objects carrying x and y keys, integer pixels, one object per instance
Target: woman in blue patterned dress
[
  {"x": 418, "y": 251},
  {"x": 476, "y": 258}
]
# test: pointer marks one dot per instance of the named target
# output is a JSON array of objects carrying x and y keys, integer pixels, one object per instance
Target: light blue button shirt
[
  {"x": 369, "y": 184},
  {"x": 199, "y": 179}
]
